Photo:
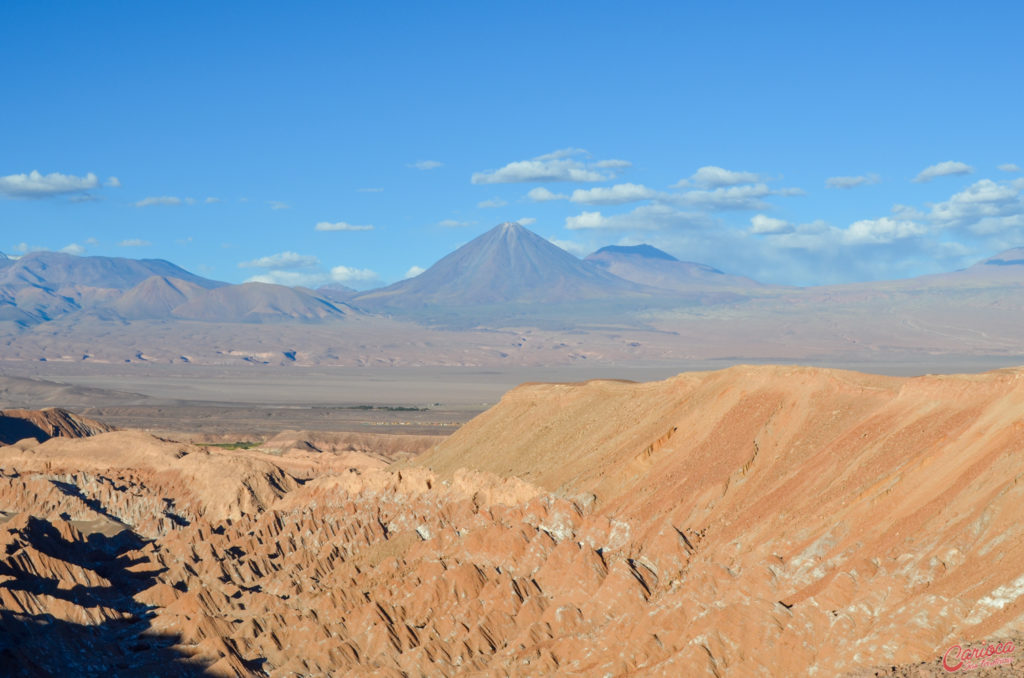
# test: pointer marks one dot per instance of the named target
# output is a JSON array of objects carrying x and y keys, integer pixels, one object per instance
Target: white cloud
[
  {"x": 211, "y": 200},
  {"x": 291, "y": 278},
  {"x": 493, "y": 202},
  {"x": 984, "y": 207},
  {"x": 283, "y": 260},
  {"x": 613, "y": 164},
  {"x": 1009, "y": 167},
  {"x": 526, "y": 221},
  {"x": 36, "y": 185},
  {"x": 452, "y": 223},
  {"x": 278, "y": 205},
  {"x": 571, "y": 247},
  {"x": 73, "y": 248},
  {"x": 852, "y": 182},
  {"x": 158, "y": 200},
  {"x": 561, "y": 165},
  {"x": 541, "y": 194},
  {"x": 135, "y": 242},
  {"x": 426, "y": 164},
  {"x": 612, "y": 195},
  {"x": 347, "y": 275},
  {"x": 710, "y": 176},
  {"x": 884, "y": 230},
  {"x": 413, "y": 272},
  {"x": 746, "y": 197},
  {"x": 113, "y": 182},
  {"x": 943, "y": 169},
  {"x": 645, "y": 217},
  {"x": 764, "y": 225},
  {"x": 340, "y": 226}
]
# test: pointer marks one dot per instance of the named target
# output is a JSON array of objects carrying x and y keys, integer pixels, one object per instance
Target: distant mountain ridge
[
  {"x": 647, "y": 265},
  {"x": 508, "y": 264}
]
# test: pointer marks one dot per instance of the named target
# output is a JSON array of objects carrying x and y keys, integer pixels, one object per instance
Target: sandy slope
[{"x": 753, "y": 521}]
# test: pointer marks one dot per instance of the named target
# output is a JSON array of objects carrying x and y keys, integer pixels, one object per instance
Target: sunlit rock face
[{"x": 754, "y": 521}]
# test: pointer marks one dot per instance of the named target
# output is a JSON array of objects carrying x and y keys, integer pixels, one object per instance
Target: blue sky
[{"x": 799, "y": 143}]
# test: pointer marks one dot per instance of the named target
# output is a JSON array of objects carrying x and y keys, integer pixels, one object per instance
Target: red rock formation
[{"x": 755, "y": 521}]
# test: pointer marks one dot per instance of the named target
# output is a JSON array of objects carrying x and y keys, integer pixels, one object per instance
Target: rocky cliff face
[{"x": 755, "y": 521}]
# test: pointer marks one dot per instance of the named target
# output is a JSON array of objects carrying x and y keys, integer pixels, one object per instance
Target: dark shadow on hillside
[
  {"x": 13, "y": 429},
  {"x": 34, "y": 643}
]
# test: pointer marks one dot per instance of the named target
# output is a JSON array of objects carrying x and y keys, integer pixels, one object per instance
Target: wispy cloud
[
  {"x": 493, "y": 202},
  {"x": 1009, "y": 167},
  {"x": 278, "y": 205},
  {"x": 765, "y": 225},
  {"x": 291, "y": 278},
  {"x": 852, "y": 182},
  {"x": 211, "y": 200},
  {"x": 135, "y": 242},
  {"x": 36, "y": 185},
  {"x": 541, "y": 194},
  {"x": 425, "y": 164},
  {"x": 340, "y": 226},
  {"x": 646, "y": 217},
  {"x": 711, "y": 176},
  {"x": 112, "y": 182},
  {"x": 73, "y": 248},
  {"x": 571, "y": 247},
  {"x": 453, "y": 223},
  {"x": 746, "y": 197},
  {"x": 613, "y": 195},
  {"x": 526, "y": 221},
  {"x": 283, "y": 260},
  {"x": 567, "y": 164},
  {"x": 943, "y": 169},
  {"x": 159, "y": 200}
]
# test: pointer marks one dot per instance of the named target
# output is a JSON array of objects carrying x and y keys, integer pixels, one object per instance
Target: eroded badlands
[{"x": 754, "y": 521}]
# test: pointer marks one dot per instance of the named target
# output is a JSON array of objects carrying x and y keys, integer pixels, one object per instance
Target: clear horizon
[{"x": 794, "y": 144}]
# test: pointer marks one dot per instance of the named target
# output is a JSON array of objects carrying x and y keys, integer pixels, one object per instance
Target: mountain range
[{"x": 619, "y": 303}]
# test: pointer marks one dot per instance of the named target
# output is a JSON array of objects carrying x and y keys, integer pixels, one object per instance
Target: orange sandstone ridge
[{"x": 755, "y": 521}]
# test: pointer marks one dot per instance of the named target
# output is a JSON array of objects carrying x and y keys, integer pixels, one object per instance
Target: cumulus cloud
[
  {"x": 348, "y": 276},
  {"x": 426, "y": 164},
  {"x": 493, "y": 202},
  {"x": 291, "y": 278},
  {"x": 612, "y": 195},
  {"x": 541, "y": 194},
  {"x": 413, "y": 272},
  {"x": 278, "y": 205},
  {"x": 36, "y": 185},
  {"x": 747, "y": 197},
  {"x": 158, "y": 200},
  {"x": 613, "y": 164},
  {"x": 645, "y": 217},
  {"x": 526, "y": 221},
  {"x": 135, "y": 242},
  {"x": 113, "y": 182},
  {"x": 340, "y": 226},
  {"x": 283, "y": 260},
  {"x": 1009, "y": 167},
  {"x": 852, "y": 182},
  {"x": 943, "y": 169},
  {"x": 984, "y": 207},
  {"x": 561, "y": 165},
  {"x": 765, "y": 225},
  {"x": 73, "y": 248},
  {"x": 711, "y": 176},
  {"x": 884, "y": 230}
]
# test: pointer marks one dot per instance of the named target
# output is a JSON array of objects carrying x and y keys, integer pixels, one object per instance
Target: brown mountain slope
[
  {"x": 42, "y": 425},
  {"x": 750, "y": 522}
]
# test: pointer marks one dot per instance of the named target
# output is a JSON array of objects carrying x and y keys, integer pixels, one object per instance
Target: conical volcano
[{"x": 508, "y": 264}]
